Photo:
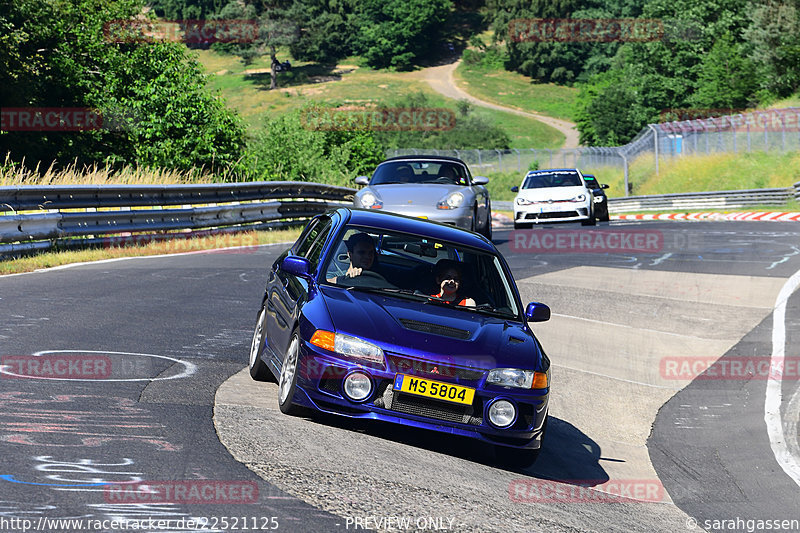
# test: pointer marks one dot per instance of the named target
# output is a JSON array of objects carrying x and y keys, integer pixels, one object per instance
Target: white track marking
[
  {"x": 615, "y": 378},
  {"x": 627, "y": 326},
  {"x": 772, "y": 402}
]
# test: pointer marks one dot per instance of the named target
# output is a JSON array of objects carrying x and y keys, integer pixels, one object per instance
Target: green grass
[
  {"x": 792, "y": 101},
  {"x": 515, "y": 90},
  {"x": 349, "y": 82},
  {"x": 699, "y": 173},
  {"x": 246, "y": 241}
]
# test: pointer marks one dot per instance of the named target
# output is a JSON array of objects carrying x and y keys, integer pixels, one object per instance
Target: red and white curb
[{"x": 771, "y": 216}]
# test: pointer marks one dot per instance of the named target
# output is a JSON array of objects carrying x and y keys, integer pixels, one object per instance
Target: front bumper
[
  {"x": 321, "y": 376},
  {"x": 461, "y": 217},
  {"x": 555, "y": 212}
]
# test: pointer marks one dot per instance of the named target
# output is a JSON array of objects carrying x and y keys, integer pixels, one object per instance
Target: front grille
[
  {"x": 387, "y": 398},
  {"x": 403, "y": 365},
  {"x": 436, "y": 329},
  {"x": 428, "y": 408},
  {"x": 561, "y": 214}
]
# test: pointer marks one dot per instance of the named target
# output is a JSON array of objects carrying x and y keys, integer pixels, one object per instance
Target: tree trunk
[{"x": 273, "y": 82}]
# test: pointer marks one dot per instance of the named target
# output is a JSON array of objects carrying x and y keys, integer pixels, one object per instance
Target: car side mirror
[
  {"x": 297, "y": 266},
  {"x": 480, "y": 180},
  {"x": 537, "y": 312},
  {"x": 362, "y": 180},
  {"x": 604, "y": 186},
  {"x": 514, "y": 189}
]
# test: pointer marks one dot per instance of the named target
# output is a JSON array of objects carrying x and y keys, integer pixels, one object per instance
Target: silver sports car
[{"x": 437, "y": 188}]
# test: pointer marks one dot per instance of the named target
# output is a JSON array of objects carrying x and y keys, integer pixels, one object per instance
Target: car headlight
[
  {"x": 347, "y": 345},
  {"x": 523, "y": 201},
  {"x": 515, "y": 377},
  {"x": 370, "y": 201},
  {"x": 598, "y": 199},
  {"x": 451, "y": 201},
  {"x": 579, "y": 198}
]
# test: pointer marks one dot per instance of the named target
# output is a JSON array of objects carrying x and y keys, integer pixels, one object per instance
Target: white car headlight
[
  {"x": 347, "y": 345},
  {"x": 579, "y": 198},
  {"x": 523, "y": 201},
  {"x": 515, "y": 377},
  {"x": 451, "y": 201},
  {"x": 370, "y": 201}
]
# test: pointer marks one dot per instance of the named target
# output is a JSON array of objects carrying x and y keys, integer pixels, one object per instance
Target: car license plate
[
  {"x": 434, "y": 389},
  {"x": 549, "y": 208}
]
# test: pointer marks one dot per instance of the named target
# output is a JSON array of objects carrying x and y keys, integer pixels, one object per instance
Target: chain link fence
[{"x": 769, "y": 130}]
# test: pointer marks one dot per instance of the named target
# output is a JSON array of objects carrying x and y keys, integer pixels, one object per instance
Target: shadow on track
[{"x": 569, "y": 455}]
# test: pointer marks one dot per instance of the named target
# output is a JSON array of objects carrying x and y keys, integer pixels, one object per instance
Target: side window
[
  {"x": 315, "y": 250},
  {"x": 307, "y": 238}
]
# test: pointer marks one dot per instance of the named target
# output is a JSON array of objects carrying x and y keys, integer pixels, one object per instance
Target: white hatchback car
[{"x": 553, "y": 195}]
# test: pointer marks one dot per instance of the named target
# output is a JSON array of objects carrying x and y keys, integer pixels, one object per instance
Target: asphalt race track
[{"x": 650, "y": 321}]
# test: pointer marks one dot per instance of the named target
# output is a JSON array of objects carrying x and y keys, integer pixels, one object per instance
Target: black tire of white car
[
  {"x": 258, "y": 370},
  {"x": 287, "y": 382}
]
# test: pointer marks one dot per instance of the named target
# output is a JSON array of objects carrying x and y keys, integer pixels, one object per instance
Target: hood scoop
[{"x": 435, "y": 329}]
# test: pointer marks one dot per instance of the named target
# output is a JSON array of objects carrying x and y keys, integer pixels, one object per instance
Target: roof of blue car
[{"x": 390, "y": 221}]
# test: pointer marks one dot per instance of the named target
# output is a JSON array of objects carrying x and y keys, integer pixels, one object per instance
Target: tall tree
[{"x": 61, "y": 55}]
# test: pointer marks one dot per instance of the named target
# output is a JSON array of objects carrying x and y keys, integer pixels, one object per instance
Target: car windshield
[
  {"x": 409, "y": 171},
  {"x": 415, "y": 267},
  {"x": 542, "y": 180}
]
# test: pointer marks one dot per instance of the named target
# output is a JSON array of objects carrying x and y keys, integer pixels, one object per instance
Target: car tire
[
  {"x": 259, "y": 370},
  {"x": 487, "y": 232},
  {"x": 287, "y": 381},
  {"x": 591, "y": 221}
]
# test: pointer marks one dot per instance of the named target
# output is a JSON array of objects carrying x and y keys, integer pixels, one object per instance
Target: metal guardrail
[
  {"x": 694, "y": 200},
  {"x": 704, "y": 200},
  {"x": 89, "y": 215}
]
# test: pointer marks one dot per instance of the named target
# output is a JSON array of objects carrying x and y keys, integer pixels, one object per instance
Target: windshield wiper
[{"x": 390, "y": 290}]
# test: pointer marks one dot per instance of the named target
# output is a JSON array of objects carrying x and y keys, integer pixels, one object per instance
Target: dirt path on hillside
[{"x": 441, "y": 79}]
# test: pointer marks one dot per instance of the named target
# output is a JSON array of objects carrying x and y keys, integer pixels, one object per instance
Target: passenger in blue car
[{"x": 449, "y": 278}]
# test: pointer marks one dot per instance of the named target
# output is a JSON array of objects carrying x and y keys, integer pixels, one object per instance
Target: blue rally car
[{"x": 388, "y": 317}]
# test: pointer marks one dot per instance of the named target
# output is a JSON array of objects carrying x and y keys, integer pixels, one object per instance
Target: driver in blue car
[{"x": 361, "y": 252}]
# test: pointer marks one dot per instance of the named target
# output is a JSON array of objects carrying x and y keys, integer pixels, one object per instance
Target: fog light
[
  {"x": 502, "y": 413},
  {"x": 357, "y": 386}
]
